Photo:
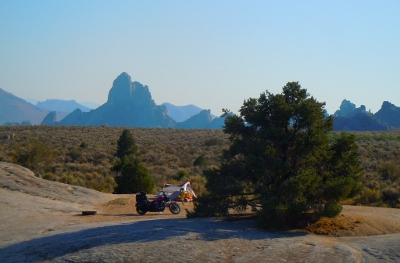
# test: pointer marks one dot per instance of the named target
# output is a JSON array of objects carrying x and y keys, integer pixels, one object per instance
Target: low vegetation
[{"x": 85, "y": 156}]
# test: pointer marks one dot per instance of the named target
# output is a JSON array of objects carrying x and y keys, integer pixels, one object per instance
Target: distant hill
[
  {"x": 181, "y": 113},
  {"x": 390, "y": 114},
  {"x": 90, "y": 105},
  {"x": 202, "y": 120},
  {"x": 67, "y": 106},
  {"x": 17, "y": 110}
]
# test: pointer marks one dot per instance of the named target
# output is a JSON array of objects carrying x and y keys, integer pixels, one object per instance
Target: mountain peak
[
  {"x": 121, "y": 89},
  {"x": 345, "y": 108},
  {"x": 388, "y": 105}
]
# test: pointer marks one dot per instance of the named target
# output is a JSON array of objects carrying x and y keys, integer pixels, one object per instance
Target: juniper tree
[
  {"x": 126, "y": 144},
  {"x": 280, "y": 161},
  {"x": 131, "y": 175}
]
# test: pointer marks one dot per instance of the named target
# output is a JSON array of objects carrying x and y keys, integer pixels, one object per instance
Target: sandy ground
[{"x": 41, "y": 221}]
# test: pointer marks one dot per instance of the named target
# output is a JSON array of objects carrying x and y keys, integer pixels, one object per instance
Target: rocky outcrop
[
  {"x": 390, "y": 114},
  {"x": 350, "y": 118},
  {"x": 50, "y": 119},
  {"x": 345, "y": 108},
  {"x": 129, "y": 104}
]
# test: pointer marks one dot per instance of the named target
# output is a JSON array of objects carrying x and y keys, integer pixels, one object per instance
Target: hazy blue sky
[{"x": 213, "y": 54}]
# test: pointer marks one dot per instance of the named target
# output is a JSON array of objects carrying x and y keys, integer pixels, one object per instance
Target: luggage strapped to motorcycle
[{"x": 141, "y": 197}]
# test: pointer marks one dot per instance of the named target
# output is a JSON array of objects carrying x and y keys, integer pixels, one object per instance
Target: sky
[{"x": 213, "y": 54}]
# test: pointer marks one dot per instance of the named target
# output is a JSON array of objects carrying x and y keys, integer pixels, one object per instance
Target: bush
[
  {"x": 369, "y": 196},
  {"x": 83, "y": 145},
  {"x": 332, "y": 208},
  {"x": 389, "y": 171},
  {"x": 180, "y": 175},
  {"x": 34, "y": 155},
  {"x": 75, "y": 154},
  {"x": 200, "y": 161},
  {"x": 391, "y": 194}
]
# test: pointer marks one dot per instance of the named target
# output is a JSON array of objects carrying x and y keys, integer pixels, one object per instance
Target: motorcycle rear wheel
[
  {"x": 140, "y": 212},
  {"x": 174, "y": 208}
]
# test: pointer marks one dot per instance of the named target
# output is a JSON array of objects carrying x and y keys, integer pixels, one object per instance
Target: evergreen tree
[
  {"x": 280, "y": 162},
  {"x": 133, "y": 178},
  {"x": 126, "y": 144},
  {"x": 132, "y": 175}
]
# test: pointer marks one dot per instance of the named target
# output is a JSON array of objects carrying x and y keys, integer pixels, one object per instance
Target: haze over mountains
[
  {"x": 17, "y": 110},
  {"x": 130, "y": 104},
  {"x": 61, "y": 105}
]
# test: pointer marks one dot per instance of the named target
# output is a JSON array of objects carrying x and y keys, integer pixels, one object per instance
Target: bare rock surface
[{"x": 41, "y": 221}]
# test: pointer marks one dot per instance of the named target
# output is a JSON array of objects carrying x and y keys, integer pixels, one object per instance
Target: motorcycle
[{"x": 143, "y": 205}]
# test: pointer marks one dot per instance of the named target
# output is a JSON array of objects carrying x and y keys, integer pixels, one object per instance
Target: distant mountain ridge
[
  {"x": 350, "y": 118},
  {"x": 67, "y": 106},
  {"x": 17, "y": 110},
  {"x": 181, "y": 113},
  {"x": 130, "y": 104}
]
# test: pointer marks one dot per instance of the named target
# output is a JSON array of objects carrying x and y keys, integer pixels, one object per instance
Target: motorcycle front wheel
[
  {"x": 174, "y": 208},
  {"x": 140, "y": 212}
]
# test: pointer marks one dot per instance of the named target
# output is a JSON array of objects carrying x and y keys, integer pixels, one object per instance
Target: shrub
[
  {"x": 213, "y": 142},
  {"x": 75, "y": 154},
  {"x": 332, "y": 208},
  {"x": 391, "y": 194},
  {"x": 200, "y": 161},
  {"x": 389, "y": 171},
  {"x": 83, "y": 145},
  {"x": 180, "y": 175},
  {"x": 369, "y": 196},
  {"x": 34, "y": 155},
  {"x": 134, "y": 178}
]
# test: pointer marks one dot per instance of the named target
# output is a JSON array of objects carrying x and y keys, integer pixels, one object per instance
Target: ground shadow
[{"x": 70, "y": 239}]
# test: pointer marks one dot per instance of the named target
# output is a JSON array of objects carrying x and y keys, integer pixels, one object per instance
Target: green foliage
[
  {"x": 134, "y": 178},
  {"x": 389, "y": 171},
  {"x": 200, "y": 161},
  {"x": 181, "y": 175},
  {"x": 75, "y": 153},
  {"x": 162, "y": 151},
  {"x": 369, "y": 196},
  {"x": 213, "y": 142},
  {"x": 332, "y": 208},
  {"x": 83, "y": 145},
  {"x": 34, "y": 155},
  {"x": 280, "y": 161},
  {"x": 371, "y": 137},
  {"x": 126, "y": 144}
]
